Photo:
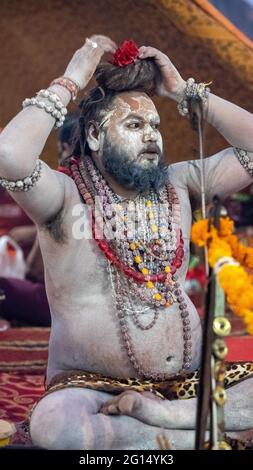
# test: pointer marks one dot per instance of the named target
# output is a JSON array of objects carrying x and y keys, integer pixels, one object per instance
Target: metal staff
[{"x": 212, "y": 395}]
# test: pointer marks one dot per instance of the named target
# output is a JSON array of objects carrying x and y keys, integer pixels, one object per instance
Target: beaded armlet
[
  {"x": 244, "y": 159},
  {"x": 26, "y": 183}
]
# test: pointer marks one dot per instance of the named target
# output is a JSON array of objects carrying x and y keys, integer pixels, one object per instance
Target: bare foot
[{"x": 124, "y": 403}]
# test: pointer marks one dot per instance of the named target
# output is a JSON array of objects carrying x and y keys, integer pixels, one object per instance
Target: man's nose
[{"x": 149, "y": 134}]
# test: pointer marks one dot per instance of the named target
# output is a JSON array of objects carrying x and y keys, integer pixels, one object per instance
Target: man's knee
[{"x": 62, "y": 421}]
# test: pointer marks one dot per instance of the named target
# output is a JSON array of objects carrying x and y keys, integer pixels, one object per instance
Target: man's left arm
[
  {"x": 229, "y": 170},
  {"x": 223, "y": 175},
  {"x": 233, "y": 122},
  {"x": 226, "y": 172}
]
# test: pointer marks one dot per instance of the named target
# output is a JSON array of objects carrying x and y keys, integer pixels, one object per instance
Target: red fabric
[
  {"x": 24, "y": 350},
  {"x": 198, "y": 274},
  {"x": 240, "y": 348},
  {"x": 23, "y": 359},
  {"x": 18, "y": 393}
]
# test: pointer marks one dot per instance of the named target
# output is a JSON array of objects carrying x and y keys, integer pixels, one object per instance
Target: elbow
[
  {"x": 5, "y": 159},
  {"x": 9, "y": 166},
  {"x": 14, "y": 166}
]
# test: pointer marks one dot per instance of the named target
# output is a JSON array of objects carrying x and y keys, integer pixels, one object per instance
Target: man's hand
[
  {"x": 173, "y": 84},
  {"x": 152, "y": 410},
  {"x": 85, "y": 60}
]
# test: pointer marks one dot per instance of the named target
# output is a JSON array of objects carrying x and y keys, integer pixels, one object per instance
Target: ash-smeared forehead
[{"x": 128, "y": 103}]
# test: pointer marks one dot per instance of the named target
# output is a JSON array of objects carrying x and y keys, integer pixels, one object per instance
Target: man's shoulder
[{"x": 177, "y": 172}]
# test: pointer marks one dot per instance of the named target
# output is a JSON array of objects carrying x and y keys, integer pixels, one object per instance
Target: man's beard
[{"x": 131, "y": 175}]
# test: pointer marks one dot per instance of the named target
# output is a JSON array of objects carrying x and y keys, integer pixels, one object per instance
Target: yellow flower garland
[{"x": 234, "y": 279}]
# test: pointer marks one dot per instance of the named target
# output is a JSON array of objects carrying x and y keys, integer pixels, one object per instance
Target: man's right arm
[
  {"x": 21, "y": 144},
  {"x": 23, "y": 139}
]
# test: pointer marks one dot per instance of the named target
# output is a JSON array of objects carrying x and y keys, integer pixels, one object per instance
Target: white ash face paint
[
  {"x": 132, "y": 124},
  {"x": 115, "y": 112}
]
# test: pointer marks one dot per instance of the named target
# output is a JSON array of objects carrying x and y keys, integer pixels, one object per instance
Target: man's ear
[{"x": 94, "y": 136}]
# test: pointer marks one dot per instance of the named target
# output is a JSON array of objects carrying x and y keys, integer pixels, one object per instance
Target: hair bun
[{"x": 142, "y": 75}]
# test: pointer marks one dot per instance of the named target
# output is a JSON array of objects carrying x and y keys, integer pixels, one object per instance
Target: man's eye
[
  {"x": 134, "y": 125},
  {"x": 156, "y": 126}
]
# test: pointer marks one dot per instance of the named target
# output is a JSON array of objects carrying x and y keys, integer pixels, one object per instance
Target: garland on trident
[{"x": 230, "y": 259}]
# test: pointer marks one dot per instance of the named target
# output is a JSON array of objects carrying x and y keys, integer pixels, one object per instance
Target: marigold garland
[{"x": 234, "y": 279}]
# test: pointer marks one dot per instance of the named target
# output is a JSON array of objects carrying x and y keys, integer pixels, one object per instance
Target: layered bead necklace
[{"x": 142, "y": 241}]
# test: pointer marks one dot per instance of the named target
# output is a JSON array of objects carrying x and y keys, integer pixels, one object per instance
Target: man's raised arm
[
  {"x": 23, "y": 139},
  {"x": 229, "y": 170}
]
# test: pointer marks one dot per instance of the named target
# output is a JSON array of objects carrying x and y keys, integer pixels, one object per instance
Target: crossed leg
[
  {"x": 181, "y": 414},
  {"x": 77, "y": 418},
  {"x": 71, "y": 419}
]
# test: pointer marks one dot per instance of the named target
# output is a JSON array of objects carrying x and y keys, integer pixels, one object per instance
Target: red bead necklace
[{"x": 107, "y": 250}]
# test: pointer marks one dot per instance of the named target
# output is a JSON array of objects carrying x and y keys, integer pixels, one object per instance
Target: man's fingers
[
  {"x": 107, "y": 44},
  {"x": 109, "y": 48},
  {"x": 89, "y": 49},
  {"x": 110, "y": 43},
  {"x": 160, "y": 58},
  {"x": 85, "y": 60},
  {"x": 147, "y": 51},
  {"x": 125, "y": 403}
]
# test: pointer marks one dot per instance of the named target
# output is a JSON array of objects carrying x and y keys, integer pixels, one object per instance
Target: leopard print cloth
[{"x": 177, "y": 387}]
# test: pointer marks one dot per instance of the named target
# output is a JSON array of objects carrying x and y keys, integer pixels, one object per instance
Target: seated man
[{"x": 115, "y": 266}]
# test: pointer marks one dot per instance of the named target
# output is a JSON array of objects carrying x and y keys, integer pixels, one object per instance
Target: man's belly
[{"x": 90, "y": 338}]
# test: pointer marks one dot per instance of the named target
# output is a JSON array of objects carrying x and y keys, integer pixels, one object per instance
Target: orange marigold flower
[
  {"x": 250, "y": 329},
  {"x": 248, "y": 316},
  {"x": 236, "y": 282},
  {"x": 249, "y": 258},
  {"x": 200, "y": 232},
  {"x": 218, "y": 248},
  {"x": 226, "y": 226}
]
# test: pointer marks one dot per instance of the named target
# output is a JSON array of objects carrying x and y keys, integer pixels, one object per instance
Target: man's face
[
  {"x": 133, "y": 127},
  {"x": 132, "y": 149}
]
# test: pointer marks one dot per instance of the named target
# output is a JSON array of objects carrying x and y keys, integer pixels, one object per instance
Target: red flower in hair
[{"x": 126, "y": 54}]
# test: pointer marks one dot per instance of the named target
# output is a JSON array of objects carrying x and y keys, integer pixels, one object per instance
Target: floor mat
[
  {"x": 23, "y": 360},
  {"x": 18, "y": 393},
  {"x": 24, "y": 350}
]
